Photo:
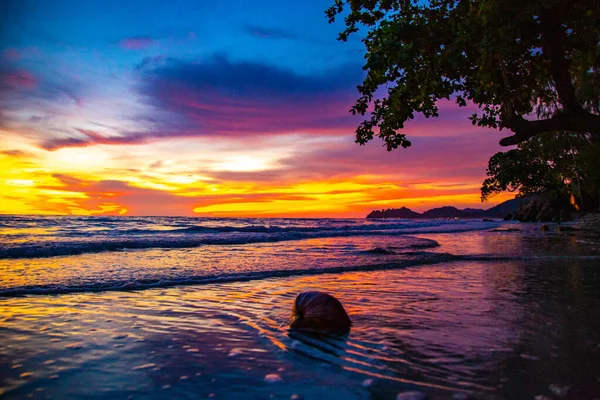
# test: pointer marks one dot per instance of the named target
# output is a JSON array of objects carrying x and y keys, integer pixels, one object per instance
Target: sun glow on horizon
[{"x": 94, "y": 184}]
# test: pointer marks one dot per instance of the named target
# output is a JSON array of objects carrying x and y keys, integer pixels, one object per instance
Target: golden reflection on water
[
  {"x": 34, "y": 231},
  {"x": 120, "y": 268}
]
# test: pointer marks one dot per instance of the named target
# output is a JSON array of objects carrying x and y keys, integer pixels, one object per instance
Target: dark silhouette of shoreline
[{"x": 499, "y": 211}]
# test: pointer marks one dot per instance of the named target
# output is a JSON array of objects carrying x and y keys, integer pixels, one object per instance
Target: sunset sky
[{"x": 187, "y": 107}]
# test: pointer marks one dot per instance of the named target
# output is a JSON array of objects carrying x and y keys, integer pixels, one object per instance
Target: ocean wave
[
  {"x": 123, "y": 227},
  {"x": 277, "y": 229},
  {"x": 418, "y": 258},
  {"x": 212, "y": 228},
  {"x": 98, "y": 243},
  {"x": 412, "y": 259}
]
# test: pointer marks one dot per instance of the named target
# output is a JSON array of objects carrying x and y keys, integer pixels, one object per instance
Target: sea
[{"x": 176, "y": 308}]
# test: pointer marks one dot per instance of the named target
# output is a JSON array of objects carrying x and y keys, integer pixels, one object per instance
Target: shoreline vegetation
[{"x": 521, "y": 209}]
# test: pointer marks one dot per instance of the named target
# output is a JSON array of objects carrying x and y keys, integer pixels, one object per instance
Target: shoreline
[
  {"x": 587, "y": 225},
  {"x": 590, "y": 222}
]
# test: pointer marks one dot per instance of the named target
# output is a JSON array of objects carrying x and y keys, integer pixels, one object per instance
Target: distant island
[{"x": 499, "y": 211}]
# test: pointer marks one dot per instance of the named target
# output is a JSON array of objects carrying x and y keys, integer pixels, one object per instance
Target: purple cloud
[
  {"x": 17, "y": 79},
  {"x": 89, "y": 137},
  {"x": 249, "y": 99},
  {"x": 219, "y": 96},
  {"x": 269, "y": 33},
  {"x": 137, "y": 43},
  {"x": 44, "y": 95}
]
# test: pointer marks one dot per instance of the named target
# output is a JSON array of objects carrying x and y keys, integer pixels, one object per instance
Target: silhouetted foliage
[
  {"x": 515, "y": 59},
  {"x": 556, "y": 165}
]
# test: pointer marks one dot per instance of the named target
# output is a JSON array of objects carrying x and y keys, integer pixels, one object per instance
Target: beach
[
  {"x": 198, "y": 308},
  {"x": 328, "y": 199}
]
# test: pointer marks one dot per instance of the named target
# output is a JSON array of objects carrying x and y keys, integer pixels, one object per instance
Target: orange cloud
[{"x": 304, "y": 177}]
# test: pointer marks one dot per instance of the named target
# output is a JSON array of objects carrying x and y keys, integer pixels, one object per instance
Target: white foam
[
  {"x": 272, "y": 378},
  {"x": 413, "y": 395}
]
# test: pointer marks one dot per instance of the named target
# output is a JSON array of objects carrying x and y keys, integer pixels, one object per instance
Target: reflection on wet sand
[{"x": 504, "y": 329}]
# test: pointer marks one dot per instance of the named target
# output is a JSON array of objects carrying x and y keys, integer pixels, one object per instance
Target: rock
[
  {"x": 544, "y": 228},
  {"x": 528, "y": 212},
  {"x": 537, "y": 209},
  {"x": 508, "y": 217},
  {"x": 541, "y": 209},
  {"x": 319, "y": 312},
  {"x": 546, "y": 212},
  {"x": 487, "y": 220},
  {"x": 565, "y": 215}
]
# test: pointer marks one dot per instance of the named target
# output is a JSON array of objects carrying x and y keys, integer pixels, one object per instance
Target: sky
[{"x": 198, "y": 108}]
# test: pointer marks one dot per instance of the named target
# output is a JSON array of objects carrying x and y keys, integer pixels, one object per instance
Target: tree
[
  {"x": 531, "y": 66},
  {"x": 590, "y": 160},
  {"x": 555, "y": 165}
]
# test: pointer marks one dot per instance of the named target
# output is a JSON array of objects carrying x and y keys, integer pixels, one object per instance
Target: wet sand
[{"x": 503, "y": 329}]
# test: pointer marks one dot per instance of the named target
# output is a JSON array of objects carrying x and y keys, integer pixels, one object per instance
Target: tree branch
[
  {"x": 581, "y": 122},
  {"x": 553, "y": 46},
  {"x": 573, "y": 117}
]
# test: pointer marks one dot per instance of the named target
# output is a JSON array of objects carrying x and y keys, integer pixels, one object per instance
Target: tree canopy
[
  {"x": 555, "y": 165},
  {"x": 531, "y": 66}
]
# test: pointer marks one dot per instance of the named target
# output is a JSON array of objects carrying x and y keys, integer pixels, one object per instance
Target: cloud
[
  {"x": 17, "y": 54},
  {"x": 116, "y": 197},
  {"x": 17, "y": 80},
  {"x": 269, "y": 33},
  {"x": 89, "y": 137},
  {"x": 15, "y": 153},
  {"x": 219, "y": 96},
  {"x": 321, "y": 177},
  {"x": 137, "y": 43},
  {"x": 65, "y": 91},
  {"x": 461, "y": 157},
  {"x": 113, "y": 196},
  {"x": 16, "y": 86},
  {"x": 148, "y": 62},
  {"x": 214, "y": 97},
  {"x": 33, "y": 105}
]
